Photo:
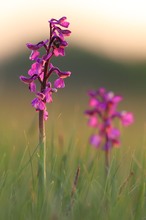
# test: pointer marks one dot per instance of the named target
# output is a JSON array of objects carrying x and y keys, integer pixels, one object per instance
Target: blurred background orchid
[{"x": 102, "y": 115}]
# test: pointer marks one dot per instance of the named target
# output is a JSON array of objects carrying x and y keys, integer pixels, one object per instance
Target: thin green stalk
[
  {"x": 42, "y": 156},
  {"x": 107, "y": 155}
]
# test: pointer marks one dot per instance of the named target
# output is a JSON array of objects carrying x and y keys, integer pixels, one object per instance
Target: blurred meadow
[{"x": 119, "y": 69}]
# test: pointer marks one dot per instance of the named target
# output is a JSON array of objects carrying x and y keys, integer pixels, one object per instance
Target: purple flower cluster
[
  {"x": 101, "y": 116},
  {"x": 42, "y": 68}
]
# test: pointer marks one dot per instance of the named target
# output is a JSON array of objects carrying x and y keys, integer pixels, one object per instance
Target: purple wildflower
[
  {"x": 62, "y": 22},
  {"x": 42, "y": 68},
  {"x": 101, "y": 115},
  {"x": 38, "y": 45}
]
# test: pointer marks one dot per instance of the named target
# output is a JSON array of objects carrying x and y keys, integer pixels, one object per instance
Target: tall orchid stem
[
  {"x": 107, "y": 166},
  {"x": 107, "y": 159},
  {"x": 42, "y": 145},
  {"x": 42, "y": 157}
]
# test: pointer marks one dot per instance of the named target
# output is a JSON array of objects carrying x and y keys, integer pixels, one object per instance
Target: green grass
[{"x": 119, "y": 196}]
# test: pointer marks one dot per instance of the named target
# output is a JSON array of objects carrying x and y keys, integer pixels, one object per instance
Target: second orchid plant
[
  {"x": 41, "y": 71},
  {"x": 102, "y": 114}
]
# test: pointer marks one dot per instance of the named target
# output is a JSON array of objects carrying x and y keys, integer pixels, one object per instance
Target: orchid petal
[{"x": 59, "y": 83}]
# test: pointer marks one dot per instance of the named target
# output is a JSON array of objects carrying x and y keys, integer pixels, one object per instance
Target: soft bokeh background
[{"x": 107, "y": 48}]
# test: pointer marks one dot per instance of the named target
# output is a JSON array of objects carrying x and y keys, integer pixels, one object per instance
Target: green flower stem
[
  {"x": 42, "y": 143},
  {"x": 42, "y": 156},
  {"x": 107, "y": 162}
]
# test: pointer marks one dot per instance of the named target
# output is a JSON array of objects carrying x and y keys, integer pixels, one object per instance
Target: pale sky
[{"x": 111, "y": 27}]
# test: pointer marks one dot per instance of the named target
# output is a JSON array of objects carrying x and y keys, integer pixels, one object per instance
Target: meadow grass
[{"x": 120, "y": 195}]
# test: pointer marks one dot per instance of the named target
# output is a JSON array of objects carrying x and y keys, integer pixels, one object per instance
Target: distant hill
[{"x": 88, "y": 70}]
